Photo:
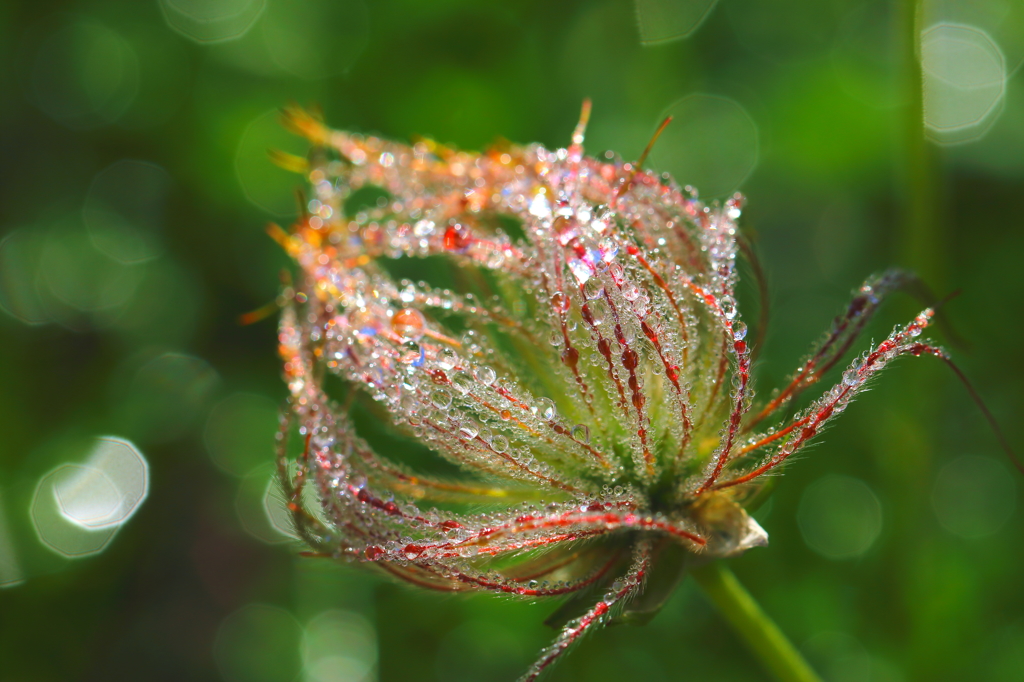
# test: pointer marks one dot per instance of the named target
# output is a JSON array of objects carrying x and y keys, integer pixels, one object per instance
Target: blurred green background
[{"x": 134, "y": 188}]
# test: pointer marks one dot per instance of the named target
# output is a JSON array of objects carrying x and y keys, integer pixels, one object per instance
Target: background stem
[
  {"x": 761, "y": 634},
  {"x": 922, "y": 242}
]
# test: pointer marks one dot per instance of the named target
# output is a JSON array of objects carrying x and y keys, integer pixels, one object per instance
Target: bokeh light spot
[
  {"x": 212, "y": 21},
  {"x": 258, "y": 643},
  {"x": 108, "y": 489},
  {"x": 240, "y": 432},
  {"x": 165, "y": 307},
  {"x": 86, "y": 287},
  {"x": 124, "y": 210},
  {"x": 315, "y": 39},
  {"x": 84, "y": 75},
  {"x": 167, "y": 397},
  {"x": 840, "y": 517},
  {"x": 267, "y": 186},
  {"x": 59, "y": 533},
  {"x": 663, "y": 21},
  {"x": 964, "y": 76},
  {"x": 711, "y": 144},
  {"x": 974, "y": 496},
  {"x": 339, "y": 646},
  {"x": 251, "y": 506}
]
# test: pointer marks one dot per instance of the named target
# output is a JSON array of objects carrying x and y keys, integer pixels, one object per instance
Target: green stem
[
  {"x": 923, "y": 243},
  {"x": 761, "y": 634}
]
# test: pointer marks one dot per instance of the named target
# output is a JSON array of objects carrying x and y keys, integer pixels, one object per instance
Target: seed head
[{"x": 588, "y": 374}]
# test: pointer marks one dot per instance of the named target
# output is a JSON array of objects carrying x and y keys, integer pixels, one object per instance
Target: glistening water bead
[{"x": 599, "y": 403}]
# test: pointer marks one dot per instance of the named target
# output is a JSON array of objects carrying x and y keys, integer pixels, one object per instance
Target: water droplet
[
  {"x": 410, "y": 353},
  {"x": 559, "y": 301},
  {"x": 728, "y": 306},
  {"x": 441, "y": 398},
  {"x": 447, "y": 358},
  {"x": 609, "y": 249},
  {"x": 423, "y": 228},
  {"x": 462, "y": 382},
  {"x": 499, "y": 443},
  {"x": 469, "y": 429},
  {"x": 495, "y": 259},
  {"x": 409, "y": 323},
  {"x": 540, "y": 206},
  {"x": 546, "y": 408},
  {"x": 486, "y": 375},
  {"x": 739, "y": 331},
  {"x": 581, "y": 433}
]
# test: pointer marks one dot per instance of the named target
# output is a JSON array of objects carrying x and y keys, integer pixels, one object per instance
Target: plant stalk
[
  {"x": 923, "y": 243},
  {"x": 760, "y": 633}
]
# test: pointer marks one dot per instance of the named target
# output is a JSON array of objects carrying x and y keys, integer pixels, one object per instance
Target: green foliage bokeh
[{"x": 128, "y": 325}]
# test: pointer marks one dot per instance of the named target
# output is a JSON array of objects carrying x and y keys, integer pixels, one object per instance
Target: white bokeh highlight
[
  {"x": 964, "y": 82},
  {"x": 108, "y": 489},
  {"x": 78, "y": 508}
]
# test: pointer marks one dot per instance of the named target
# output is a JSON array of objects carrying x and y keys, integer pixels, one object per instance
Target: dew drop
[
  {"x": 540, "y": 206},
  {"x": 486, "y": 375},
  {"x": 499, "y": 443},
  {"x": 409, "y": 323},
  {"x": 739, "y": 331},
  {"x": 546, "y": 408},
  {"x": 581, "y": 433},
  {"x": 441, "y": 398},
  {"x": 495, "y": 259},
  {"x": 728, "y": 306},
  {"x": 447, "y": 358},
  {"x": 593, "y": 289},
  {"x": 462, "y": 382},
  {"x": 410, "y": 353}
]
